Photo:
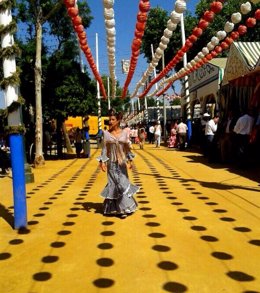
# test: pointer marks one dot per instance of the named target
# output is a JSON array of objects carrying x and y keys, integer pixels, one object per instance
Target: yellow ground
[{"x": 197, "y": 229}]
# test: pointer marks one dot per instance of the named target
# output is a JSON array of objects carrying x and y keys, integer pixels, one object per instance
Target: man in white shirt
[
  {"x": 182, "y": 129},
  {"x": 243, "y": 129},
  {"x": 210, "y": 130},
  {"x": 151, "y": 134}
]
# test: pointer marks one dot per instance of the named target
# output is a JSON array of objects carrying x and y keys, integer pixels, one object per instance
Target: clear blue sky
[{"x": 125, "y": 19}]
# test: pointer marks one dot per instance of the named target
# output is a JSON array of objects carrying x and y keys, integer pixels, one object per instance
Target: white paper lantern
[
  {"x": 111, "y": 32},
  {"x": 200, "y": 55},
  {"x": 193, "y": 62},
  {"x": 221, "y": 35},
  {"x": 205, "y": 50},
  {"x": 110, "y": 23},
  {"x": 111, "y": 50},
  {"x": 197, "y": 58},
  {"x": 210, "y": 46},
  {"x": 175, "y": 17},
  {"x": 164, "y": 40},
  {"x": 108, "y": 3},
  {"x": 158, "y": 52},
  {"x": 245, "y": 8},
  {"x": 214, "y": 40},
  {"x": 171, "y": 26},
  {"x": 167, "y": 33},
  {"x": 189, "y": 66},
  {"x": 229, "y": 26},
  {"x": 162, "y": 46},
  {"x": 236, "y": 17},
  {"x": 154, "y": 63},
  {"x": 108, "y": 13},
  {"x": 180, "y": 6}
]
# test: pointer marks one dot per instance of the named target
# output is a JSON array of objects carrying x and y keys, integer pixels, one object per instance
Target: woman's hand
[{"x": 103, "y": 166}]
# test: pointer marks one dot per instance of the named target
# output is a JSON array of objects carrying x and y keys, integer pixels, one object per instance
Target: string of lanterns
[
  {"x": 73, "y": 12},
  {"x": 179, "y": 8},
  {"x": 111, "y": 41},
  {"x": 213, "y": 48},
  {"x": 144, "y": 7},
  {"x": 207, "y": 18}
]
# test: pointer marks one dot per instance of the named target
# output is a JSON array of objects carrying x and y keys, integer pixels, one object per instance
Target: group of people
[
  {"x": 232, "y": 140},
  {"x": 82, "y": 142},
  {"x": 178, "y": 135}
]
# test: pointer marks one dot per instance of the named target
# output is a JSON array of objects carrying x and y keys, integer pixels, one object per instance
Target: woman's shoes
[{"x": 123, "y": 216}]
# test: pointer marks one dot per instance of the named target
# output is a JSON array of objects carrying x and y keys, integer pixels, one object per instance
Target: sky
[{"x": 125, "y": 21}]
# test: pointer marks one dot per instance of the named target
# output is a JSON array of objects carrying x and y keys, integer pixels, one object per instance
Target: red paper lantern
[
  {"x": 141, "y": 16},
  {"x": 139, "y": 34},
  {"x": 214, "y": 54},
  {"x": 209, "y": 57},
  {"x": 69, "y": 3},
  {"x": 229, "y": 40},
  {"x": 192, "y": 38},
  {"x": 136, "y": 53},
  {"x": 234, "y": 35},
  {"x": 79, "y": 28},
  {"x": 83, "y": 42},
  {"x": 144, "y": 6},
  {"x": 73, "y": 11},
  {"x": 197, "y": 31},
  {"x": 242, "y": 29},
  {"x": 251, "y": 22},
  {"x": 140, "y": 26},
  {"x": 77, "y": 20},
  {"x": 203, "y": 24},
  {"x": 209, "y": 15},
  {"x": 218, "y": 49},
  {"x": 188, "y": 43},
  {"x": 136, "y": 44},
  {"x": 180, "y": 54},
  {"x": 257, "y": 14},
  {"x": 224, "y": 45},
  {"x": 82, "y": 35},
  {"x": 216, "y": 6},
  {"x": 84, "y": 48}
]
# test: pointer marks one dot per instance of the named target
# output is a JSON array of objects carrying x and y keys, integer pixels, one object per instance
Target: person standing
[
  {"x": 114, "y": 158},
  {"x": 182, "y": 129},
  {"x": 210, "y": 130},
  {"x": 78, "y": 142},
  {"x": 242, "y": 130},
  {"x": 157, "y": 134},
  {"x": 151, "y": 133}
]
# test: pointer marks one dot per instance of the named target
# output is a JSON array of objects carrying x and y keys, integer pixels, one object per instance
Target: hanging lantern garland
[
  {"x": 205, "y": 55},
  {"x": 208, "y": 17},
  {"x": 144, "y": 7},
  {"x": 73, "y": 12},
  {"x": 111, "y": 41},
  {"x": 8, "y": 52},
  {"x": 179, "y": 8}
]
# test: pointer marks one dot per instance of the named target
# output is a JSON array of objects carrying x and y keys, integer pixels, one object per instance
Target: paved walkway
[{"x": 197, "y": 229}]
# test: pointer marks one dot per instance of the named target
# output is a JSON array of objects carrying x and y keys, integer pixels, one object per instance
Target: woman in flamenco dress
[{"x": 114, "y": 158}]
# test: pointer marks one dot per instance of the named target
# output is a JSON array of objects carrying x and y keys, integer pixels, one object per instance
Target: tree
[{"x": 39, "y": 17}]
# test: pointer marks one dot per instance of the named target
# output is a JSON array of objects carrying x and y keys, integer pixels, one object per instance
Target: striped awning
[
  {"x": 242, "y": 59},
  {"x": 250, "y": 52}
]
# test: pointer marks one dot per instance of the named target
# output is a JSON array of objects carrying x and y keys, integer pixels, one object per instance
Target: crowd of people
[{"x": 233, "y": 139}]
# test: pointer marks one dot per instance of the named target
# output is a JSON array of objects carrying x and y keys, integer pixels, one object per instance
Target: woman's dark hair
[{"x": 113, "y": 112}]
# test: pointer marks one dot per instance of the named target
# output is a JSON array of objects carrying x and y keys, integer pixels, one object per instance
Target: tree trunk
[
  {"x": 67, "y": 140},
  {"x": 39, "y": 159}
]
